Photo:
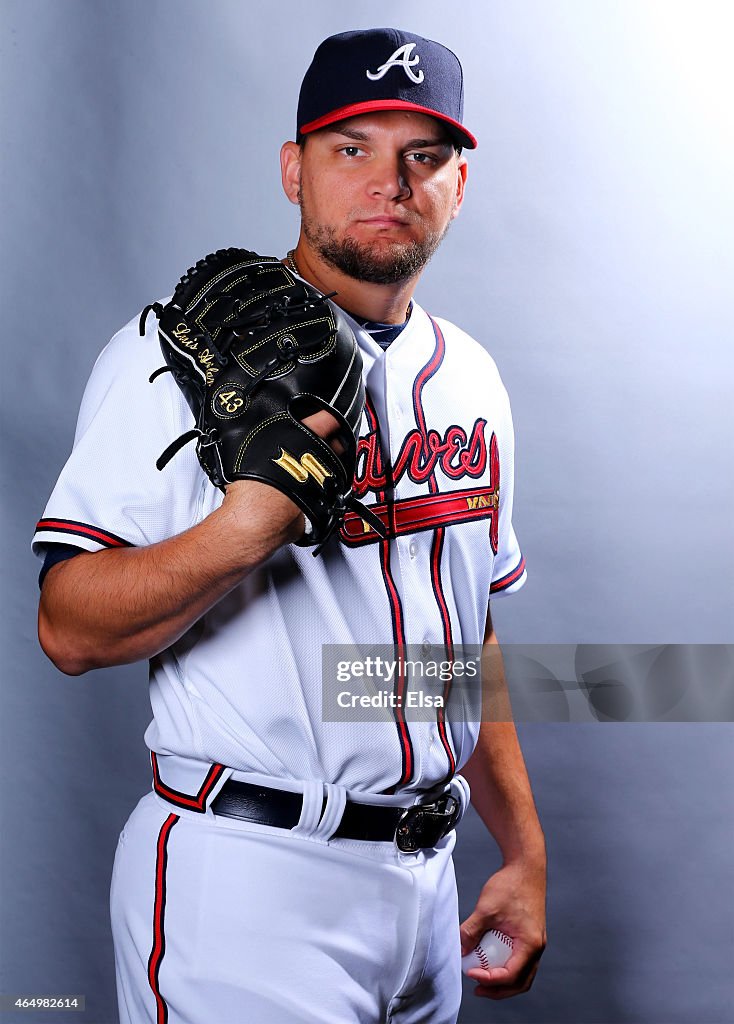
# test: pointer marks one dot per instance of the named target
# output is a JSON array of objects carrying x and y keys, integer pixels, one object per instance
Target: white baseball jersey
[{"x": 242, "y": 688}]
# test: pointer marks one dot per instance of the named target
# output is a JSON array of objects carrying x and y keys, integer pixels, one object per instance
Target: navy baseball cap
[{"x": 382, "y": 69}]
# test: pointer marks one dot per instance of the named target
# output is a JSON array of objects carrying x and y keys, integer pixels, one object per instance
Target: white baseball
[{"x": 493, "y": 950}]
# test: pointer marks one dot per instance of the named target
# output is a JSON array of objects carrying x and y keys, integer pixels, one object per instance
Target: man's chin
[
  {"x": 387, "y": 242},
  {"x": 381, "y": 261}
]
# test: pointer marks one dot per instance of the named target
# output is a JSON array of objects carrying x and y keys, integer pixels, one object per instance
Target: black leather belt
[{"x": 412, "y": 828}]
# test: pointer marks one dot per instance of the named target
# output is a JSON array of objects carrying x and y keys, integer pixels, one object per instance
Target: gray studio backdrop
[{"x": 593, "y": 259}]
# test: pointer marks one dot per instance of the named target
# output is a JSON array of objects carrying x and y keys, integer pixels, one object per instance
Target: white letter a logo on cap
[{"x": 400, "y": 59}]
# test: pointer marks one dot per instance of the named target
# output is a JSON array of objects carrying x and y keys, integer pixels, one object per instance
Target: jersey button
[{"x": 412, "y": 549}]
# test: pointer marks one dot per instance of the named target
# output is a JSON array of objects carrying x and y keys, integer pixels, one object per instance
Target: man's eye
[
  {"x": 350, "y": 150},
  {"x": 421, "y": 158}
]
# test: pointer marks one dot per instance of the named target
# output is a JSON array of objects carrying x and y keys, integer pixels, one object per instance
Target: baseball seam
[{"x": 482, "y": 958}]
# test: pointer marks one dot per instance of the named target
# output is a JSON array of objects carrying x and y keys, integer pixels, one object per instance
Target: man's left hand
[{"x": 513, "y": 902}]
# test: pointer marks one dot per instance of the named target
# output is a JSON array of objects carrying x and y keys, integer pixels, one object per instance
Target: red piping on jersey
[
  {"x": 398, "y": 622},
  {"x": 159, "y": 915},
  {"x": 423, "y": 512},
  {"x": 75, "y": 529},
  {"x": 494, "y": 479},
  {"x": 512, "y": 577},
  {"x": 423, "y": 377},
  {"x": 406, "y": 744},
  {"x": 174, "y": 796}
]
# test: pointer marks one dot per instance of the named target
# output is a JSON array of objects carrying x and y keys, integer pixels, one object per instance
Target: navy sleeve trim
[
  {"x": 55, "y": 554},
  {"x": 506, "y": 581}
]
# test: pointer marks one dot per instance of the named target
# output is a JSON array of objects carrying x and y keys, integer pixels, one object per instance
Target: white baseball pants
[{"x": 221, "y": 921}]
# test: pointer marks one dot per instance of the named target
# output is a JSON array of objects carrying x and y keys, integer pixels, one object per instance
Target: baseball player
[{"x": 285, "y": 867}]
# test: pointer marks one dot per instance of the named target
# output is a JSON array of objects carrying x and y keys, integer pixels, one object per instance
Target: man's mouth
[{"x": 383, "y": 222}]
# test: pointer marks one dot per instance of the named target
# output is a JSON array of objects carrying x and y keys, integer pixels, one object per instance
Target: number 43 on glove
[{"x": 254, "y": 351}]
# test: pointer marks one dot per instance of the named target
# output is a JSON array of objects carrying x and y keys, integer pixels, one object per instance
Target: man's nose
[{"x": 388, "y": 180}]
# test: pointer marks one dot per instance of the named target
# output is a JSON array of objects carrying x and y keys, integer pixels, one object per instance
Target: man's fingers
[
  {"x": 504, "y": 982},
  {"x": 470, "y": 935},
  {"x": 325, "y": 426},
  {"x": 322, "y": 423},
  {"x": 492, "y": 976}
]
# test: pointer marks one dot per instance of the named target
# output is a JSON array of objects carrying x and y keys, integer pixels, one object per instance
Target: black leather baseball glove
[{"x": 254, "y": 350}]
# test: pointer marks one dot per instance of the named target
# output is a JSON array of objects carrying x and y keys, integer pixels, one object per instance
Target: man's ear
[
  {"x": 461, "y": 171},
  {"x": 290, "y": 170}
]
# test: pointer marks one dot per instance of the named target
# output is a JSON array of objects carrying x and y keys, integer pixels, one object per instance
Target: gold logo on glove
[{"x": 301, "y": 469}]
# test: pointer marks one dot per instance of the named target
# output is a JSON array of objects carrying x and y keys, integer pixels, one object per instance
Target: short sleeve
[
  {"x": 110, "y": 493},
  {"x": 509, "y": 572}
]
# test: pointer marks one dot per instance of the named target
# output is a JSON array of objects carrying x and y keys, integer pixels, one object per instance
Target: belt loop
[
  {"x": 460, "y": 790},
  {"x": 336, "y": 801},
  {"x": 313, "y": 801}
]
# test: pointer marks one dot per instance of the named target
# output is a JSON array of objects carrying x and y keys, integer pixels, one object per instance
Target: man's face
[{"x": 377, "y": 193}]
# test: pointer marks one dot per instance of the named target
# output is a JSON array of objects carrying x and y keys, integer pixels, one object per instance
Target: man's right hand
[{"x": 267, "y": 506}]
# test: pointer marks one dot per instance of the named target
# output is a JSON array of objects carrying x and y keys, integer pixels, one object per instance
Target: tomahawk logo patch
[{"x": 400, "y": 59}]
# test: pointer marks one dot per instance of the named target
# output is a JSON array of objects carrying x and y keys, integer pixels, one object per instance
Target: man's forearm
[
  {"x": 119, "y": 606},
  {"x": 502, "y": 795},
  {"x": 496, "y": 770}
]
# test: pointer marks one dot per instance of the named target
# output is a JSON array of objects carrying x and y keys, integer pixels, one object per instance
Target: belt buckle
[{"x": 421, "y": 826}]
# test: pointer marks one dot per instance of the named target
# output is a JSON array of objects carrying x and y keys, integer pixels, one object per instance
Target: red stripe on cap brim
[{"x": 353, "y": 109}]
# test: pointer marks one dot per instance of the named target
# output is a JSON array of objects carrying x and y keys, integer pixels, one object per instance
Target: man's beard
[{"x": 364, "y": 262}]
